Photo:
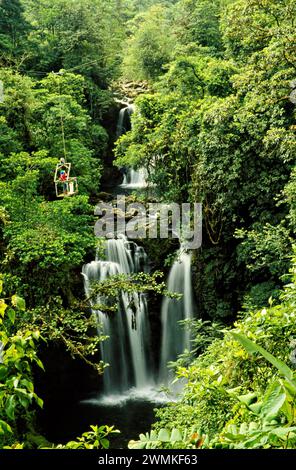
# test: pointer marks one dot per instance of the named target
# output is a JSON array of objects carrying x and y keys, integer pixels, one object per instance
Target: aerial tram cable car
[{"x": 65, "y": 186}]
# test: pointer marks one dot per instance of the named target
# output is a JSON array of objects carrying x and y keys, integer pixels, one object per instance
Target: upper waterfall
[
  {"x": 133, "y": 178},
  {"x": 124, "y": 119}
]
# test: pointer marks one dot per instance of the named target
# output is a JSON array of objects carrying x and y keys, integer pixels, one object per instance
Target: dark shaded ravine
[{"x": 62, "y": 422}]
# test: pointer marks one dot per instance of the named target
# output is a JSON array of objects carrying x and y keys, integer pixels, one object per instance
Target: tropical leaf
[
  {"x": 252, "y": 348},
  {"x": 18, "y": 302},
  {"x": 273, "y": 401}
]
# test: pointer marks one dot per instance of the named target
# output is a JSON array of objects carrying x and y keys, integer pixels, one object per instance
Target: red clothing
[{"x": 63, "y": 177}]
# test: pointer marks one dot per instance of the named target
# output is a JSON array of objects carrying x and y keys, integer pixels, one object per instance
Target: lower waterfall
[
  {"x": 127, "y": 348},
  {"x": 176, "y": 338}
]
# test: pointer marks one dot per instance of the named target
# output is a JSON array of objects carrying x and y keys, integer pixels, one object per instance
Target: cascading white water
[
  {"x": 127, "y": 349},
  {"x": 133, "y": 179},
  {"x": 124, "y": 119},
  {"x": 176, "y": 338}
]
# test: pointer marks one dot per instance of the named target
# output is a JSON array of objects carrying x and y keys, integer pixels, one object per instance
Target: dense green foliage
[
  {"x": 218, "y": 128},
  {"x": 18, "y": 354},
  {"x": 240, "y": 392},
  {"x": 57, "y": 62}
]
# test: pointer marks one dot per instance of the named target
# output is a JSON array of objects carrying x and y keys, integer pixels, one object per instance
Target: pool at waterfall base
[{"x": 132, "y": 413}]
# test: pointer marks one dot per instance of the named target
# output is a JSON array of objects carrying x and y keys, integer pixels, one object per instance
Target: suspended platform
[{"x": 65, "y": 186}]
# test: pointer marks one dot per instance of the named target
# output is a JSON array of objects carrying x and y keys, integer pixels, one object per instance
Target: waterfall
[
  {"x": 176, "y": 338},
  {"x": 133, "y": 178},
  {"x": 124, "y": 119},
  {"x": 127, "y": 349}
]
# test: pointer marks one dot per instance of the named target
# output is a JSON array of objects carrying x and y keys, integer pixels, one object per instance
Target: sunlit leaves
[
  {"x": 96, "y": 438},
  {"x": 18, "y": 302},
  {"x": 17, "y": 355}
]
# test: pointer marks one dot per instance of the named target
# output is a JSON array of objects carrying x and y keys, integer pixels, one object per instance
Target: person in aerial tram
[{"x": 64, "y": 178}]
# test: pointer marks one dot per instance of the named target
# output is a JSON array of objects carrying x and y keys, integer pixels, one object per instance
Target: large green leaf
[
  {"x": 3, "y": 307},
  {"x": 10, "y": 407},
  {"x": 256, "y": 407},
  {"x": 4, "y": 427},
  {"x": 11, "y": 315},
  {"x": 164, "y": 435},
  {"x": 154, "y": 439},
  {"x": 176, "y": 435},
  {"x": 147, "y": 441},
  {"x": 149, "y": 437},
  {"x": 252, "y": 348},
  {"x": 18, "y": 302},
  {"x": 290, "y": 387},
  {"x": 3, "y": 372},
  {"x": 284, "y": 433},
  {"x": 273, "y": 401},
  {"x": 249, "y": 398}
]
